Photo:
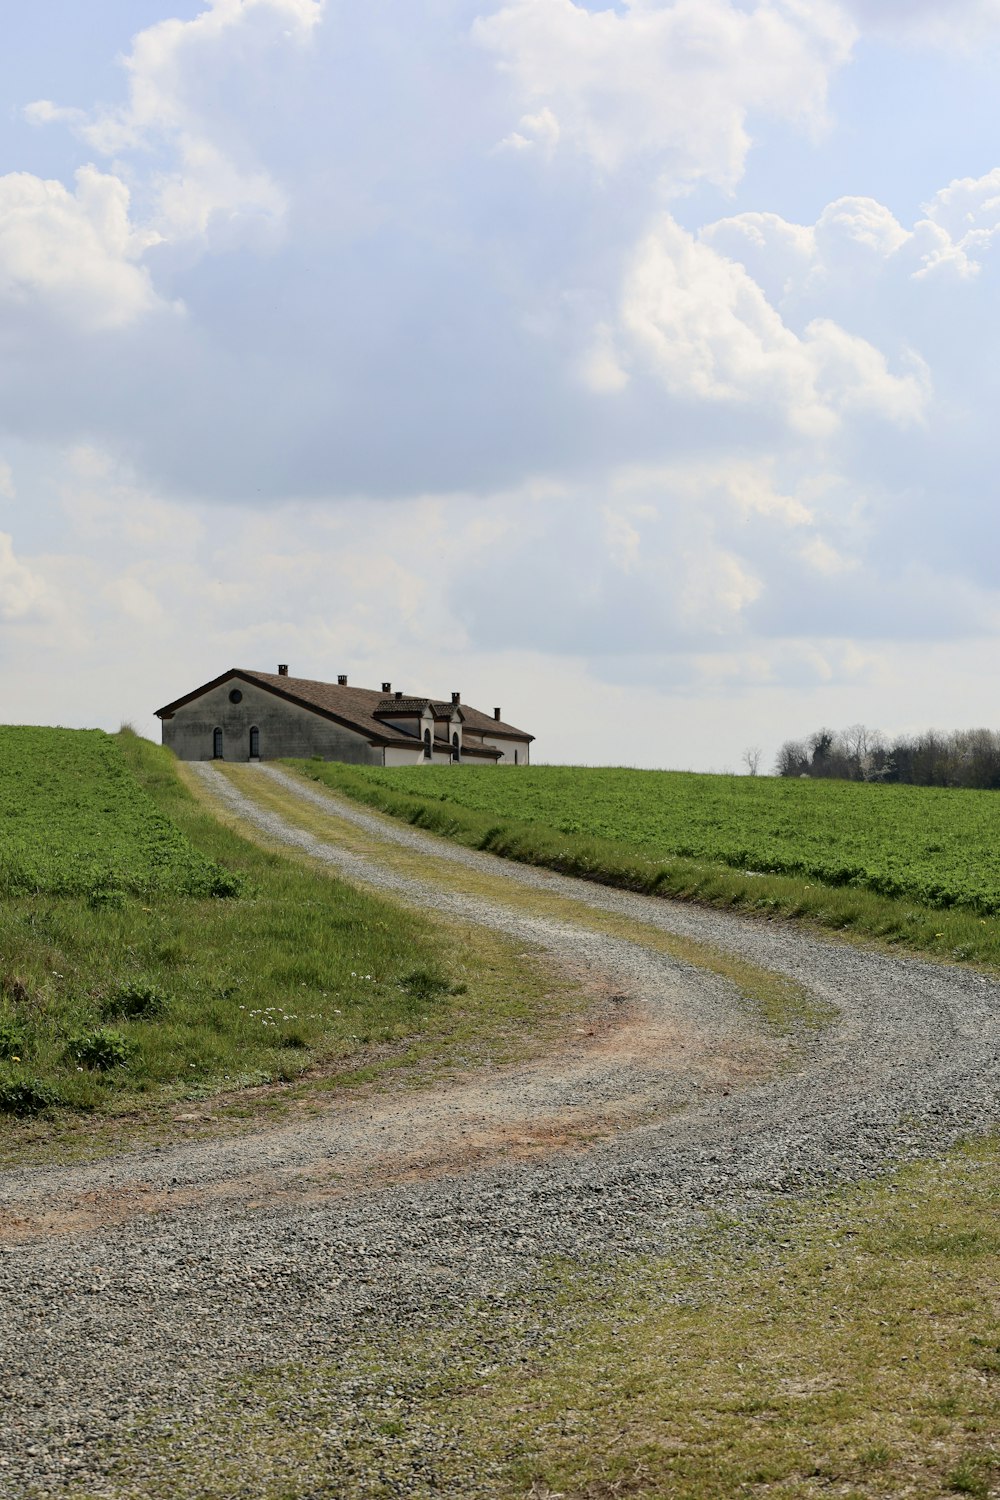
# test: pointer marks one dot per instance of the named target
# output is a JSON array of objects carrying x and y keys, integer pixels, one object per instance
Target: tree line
[{"x": 963, "y": 757}]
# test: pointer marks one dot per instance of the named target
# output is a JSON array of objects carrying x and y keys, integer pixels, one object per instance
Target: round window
[{"x": 236, "y": 696}]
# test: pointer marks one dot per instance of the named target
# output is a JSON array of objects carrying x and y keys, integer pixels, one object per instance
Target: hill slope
[{"x": 73, "y": 820}]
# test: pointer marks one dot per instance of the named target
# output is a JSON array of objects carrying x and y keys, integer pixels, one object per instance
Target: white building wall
[
  {"x": 399, "y": 757},
  {"x": 508, "y": 747}
]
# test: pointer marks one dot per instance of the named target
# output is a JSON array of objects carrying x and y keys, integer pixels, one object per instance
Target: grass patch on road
[
  {"x": 955, "y": 934},
  {"x": 779, "y": 1002},
  {"x": 849, "y": 1347},
  {"x": 159, "y": 997}
]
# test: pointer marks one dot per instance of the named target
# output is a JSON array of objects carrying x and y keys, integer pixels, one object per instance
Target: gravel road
[{"x": 286, "y": 1244}]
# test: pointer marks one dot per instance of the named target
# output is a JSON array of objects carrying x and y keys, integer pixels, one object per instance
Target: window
[
  {"x": 236, "y": 696},
  {"x": 515, "y": 757},
  {"x": 428, "y": 753},
  {"x": 217, "y": 744},
  {"x": 455, "y": 754},
  {"x": 255, "y": 743}
]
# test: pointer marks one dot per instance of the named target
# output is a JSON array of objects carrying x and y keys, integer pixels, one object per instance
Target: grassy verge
[
  {"x": 112, "y": 1008},
  {"x": 950, "y": 934},
  {"x": 781, "y": 1004},
  {"x": 849, "y": 1348}
]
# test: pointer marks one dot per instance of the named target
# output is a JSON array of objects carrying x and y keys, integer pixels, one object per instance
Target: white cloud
[
  {"x": 23, "y": 594},
  {"x": 623, "y": 539},
  {"x": 968, "y": 212},
  {"x": 135, "y": 600},
  {"x": 164, "y": 61},
  {"x": 209, "y": 198},
  {"x": 741, "y": 489},
  {"x": 601, "y": 369},
  {"x": 539, "y": 131},
  {"x": 854, "y": 228},
  {"x": 717, "y": 586},
  {"x": 824, "y": 558},
  {"x": 89, "y": 462},
  {"x": 859, "y": 237},
  {"x": 44, "y": 112},
  {"x": 75, "y": 254},
  {"x": 216, "y": 193},
  {"x": 707, "y": 330},
  {"x": 754, "y": 492},
  {"x": 674, "y": 82}
]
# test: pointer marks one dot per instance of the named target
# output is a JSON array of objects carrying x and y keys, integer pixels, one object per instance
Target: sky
[{"x": 633, "y": 366}]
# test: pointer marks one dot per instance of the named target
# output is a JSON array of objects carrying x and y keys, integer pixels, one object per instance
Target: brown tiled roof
[
  {"x": 352, "y": 706},
  {"x": 474, "y": 719},
  {"x": 409, "y": 706}
]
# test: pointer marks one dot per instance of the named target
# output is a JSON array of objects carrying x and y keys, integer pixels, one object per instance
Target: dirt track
[{"x": 175, "y": 1266}]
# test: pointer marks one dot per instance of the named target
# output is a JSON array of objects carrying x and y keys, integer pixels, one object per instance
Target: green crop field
[
  {"x": 916, "y": 866},
  {"x": 939, "y": 847},
  {"x": 74, "y": 820}
]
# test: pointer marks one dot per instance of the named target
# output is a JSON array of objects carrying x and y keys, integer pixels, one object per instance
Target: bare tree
[
  {"x": 962, "y": 758},
  {"x": 793, "y": 759},
  {"x": 752, "y": 758}
]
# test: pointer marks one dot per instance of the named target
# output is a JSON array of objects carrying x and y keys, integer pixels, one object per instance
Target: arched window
[
  {"x": 427, "y": 745},
  {"x": 455, "y": 752},
  {"x": 515, "y": 757},
  {"x": 217, "y": 744},
  {"x": 255, "y": 743}
]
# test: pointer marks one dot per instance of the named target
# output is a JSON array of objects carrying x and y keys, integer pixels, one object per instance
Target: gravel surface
[{"x": 278, "y": 1247}]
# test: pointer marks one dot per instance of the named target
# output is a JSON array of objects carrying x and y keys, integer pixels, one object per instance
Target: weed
[
  {"x": 135, "y": 1000},
  {"x": 106, "y": 898},
  {"x": 99, "y": 1047},
  {"x": 16, "y": 1041},
  {"x": 968, "y": 1479},
  {"x": 226, "y": 884},
  {"x": 24, "y": 1097},
  {"x": 988, "y": 1362},
  {"x": 425, "y": 984},
  {"x": 15, "y": 990}
]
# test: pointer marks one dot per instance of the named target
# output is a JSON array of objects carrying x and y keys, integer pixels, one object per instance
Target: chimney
[
  {"x": 496, "y": 713},
  {"x": 282, "y": 669},
  {"x": 399, "y": 693},
  {"x": 387, "y": 687},
  {"x": 456, "y": 697},
  {"x": 342, "y": 680}
]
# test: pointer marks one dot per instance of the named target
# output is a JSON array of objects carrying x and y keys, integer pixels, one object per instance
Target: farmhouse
[{"x": 246, "y": 715}]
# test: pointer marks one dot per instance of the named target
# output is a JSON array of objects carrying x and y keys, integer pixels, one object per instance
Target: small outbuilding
[{"x": 245, "y": 715}]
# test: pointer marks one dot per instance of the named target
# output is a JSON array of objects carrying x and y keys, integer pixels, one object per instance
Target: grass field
[
  {"x": 127, "y": 984},
  {"x": 914, "y": 865},
  {"x": 73, "y": 821}
]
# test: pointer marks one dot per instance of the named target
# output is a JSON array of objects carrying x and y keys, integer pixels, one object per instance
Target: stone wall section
[{"x": 285, "y": 729}]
